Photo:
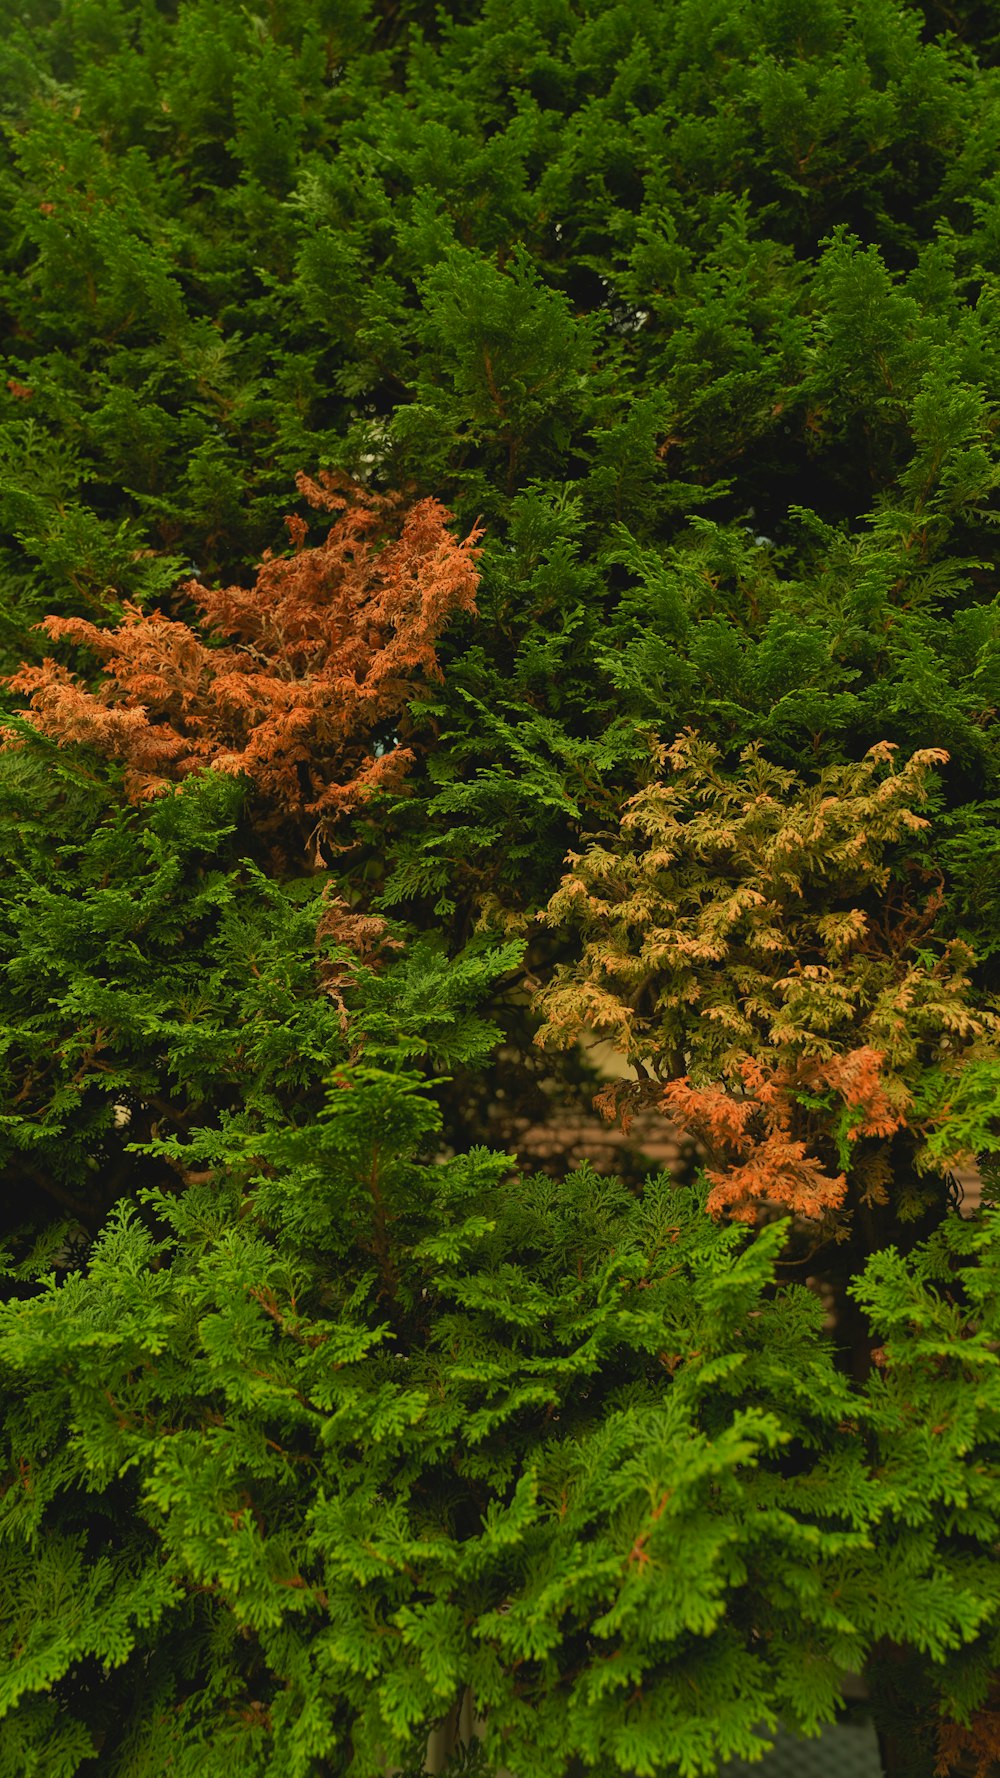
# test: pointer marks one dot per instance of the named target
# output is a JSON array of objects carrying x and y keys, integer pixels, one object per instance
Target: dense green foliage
[
  {"x": 318, "y": 1411},
  {"x": 356, "y": 1432},
  {"x": 697, "y": 310}
]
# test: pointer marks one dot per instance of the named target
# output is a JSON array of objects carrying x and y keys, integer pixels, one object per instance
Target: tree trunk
[{"x": 905, "y": 1726}]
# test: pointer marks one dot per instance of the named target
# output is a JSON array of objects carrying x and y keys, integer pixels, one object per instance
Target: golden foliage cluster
[{"x": 763, "y": 951}]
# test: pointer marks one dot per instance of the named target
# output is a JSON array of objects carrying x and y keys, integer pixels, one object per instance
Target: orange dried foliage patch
[
  {"x": 364, "y": 937},
  {"x": 285, "y": 682},
  {"x": 972, "y": 1750},
  {"x": 752, "y": 1138}
]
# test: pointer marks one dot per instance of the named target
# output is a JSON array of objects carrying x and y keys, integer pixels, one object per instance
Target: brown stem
[
  {"x": 903, "y": 1723},
  {"x": 86, "y": 1212},
  {"x": 165, "y": 1110},
  {"x": 382, "y": 1250}
]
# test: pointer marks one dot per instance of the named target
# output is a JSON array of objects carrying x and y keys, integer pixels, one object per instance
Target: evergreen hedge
[{"x": 497, "y": 516}]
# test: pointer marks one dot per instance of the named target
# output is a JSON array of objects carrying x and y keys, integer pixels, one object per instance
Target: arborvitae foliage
[
  {"x": 153, "y": 976},
  {"x": 726, "y": 279},
  {"x": 782, "y": 992},
  {"x": 326, "y": 648},
  {"x": 694, "y": 305},
  {"x": 933, "y": 1413},
  {"x": 307, "y": 1450}
]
